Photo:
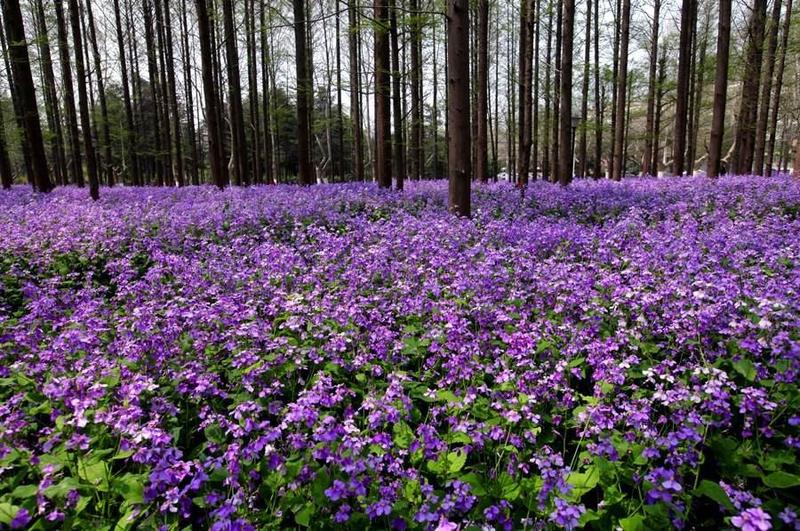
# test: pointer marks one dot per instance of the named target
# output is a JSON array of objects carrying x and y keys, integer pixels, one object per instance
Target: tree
[
  {"x": 6, "y": 175},
  {"x": 720, "y": 89},
  {"x": 458, "y": 107},
  {"x": 618, "y": 164},
  {"x": 238, "y": 143},
  {"x": 647, "y": 157},
  {"x": 582, "y": 147},
  {"x": 742, "y": 161},
  {"x": 126, "y": 97},
  {"x": 75, "y": 164},
  {"x": 304, "y": 90},
  {"x": 766, "y": 89},
  {"x": 565, "y": 141},
  {"x": 682, "y": 101},
  {"x": 525, "y": 91},
  {"x": 83, "y": 100},
  {"x": 417, "y": 135},
  {"x": 383, "y": 140},
  {"x": 481, "y": 146},
  {"x": 101, "y": 92},
  {"x": 355, "y": 93},
  {"x": 399, "y": 145},
  {"x": 778, "y": 87},
  {"x": 218, "y": 173},
  {"x": 23, "y": 81}
]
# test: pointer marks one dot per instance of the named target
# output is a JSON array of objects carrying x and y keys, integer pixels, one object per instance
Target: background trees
[{"x": 251, "y": 91}]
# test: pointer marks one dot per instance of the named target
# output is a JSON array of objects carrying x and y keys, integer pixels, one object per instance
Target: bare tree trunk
[
  {"x": 660, "y": 91},
  {"x": 383, "y": 139},
  {"x": 746, "y": 126},
  {"x": 417, "y": 138},
  {"x": 130, "y": 132},
  {"x": 766, "y": 89},
  {"x": 554, "y": 164},
  {"x": 647, "y": 157},
  {"x": 566, "y": 141},
  {"x": 458, "y": 107},
  {"x": 238, "y": 143},
  {"x": 218, "y": 173},
  {"x": 173, "y": 96},
  {"x": 75, "y": 166},
  {"x": 194, "y": 167},
  {"x": 355, "y": 93},
  {"x": 482, "y": 147},
  {"x": 778, "y": 86},
  {"x": 306, "y": 175},
  {"x": 6, "y": 175},
  {"x": 525, "y": 92},
  {"x": 699, "y": 84},
  {"x": 598, "y": 103},
  {"x": 682, "y": 101},
  {"x": 80, "y": 72},
  {"x": 720, "y": 89},
  {"x": 107, "y": 171},
  {"x": 615, "y": 84},
  {"x": 252, "y": 91},
  {"x": 51, "y": 95},
  {"x": 548, "y": 95},
  {"x": 269, "y": 174},
  {"x": 399, "y": 147},
  {"x": 582, "y": 149},
  {"x": 535, "y": 102},
  {"x": 618, "y": 162}
]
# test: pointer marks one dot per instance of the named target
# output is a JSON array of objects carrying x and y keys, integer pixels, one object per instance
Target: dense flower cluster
[{"x": 608, "y": 355}]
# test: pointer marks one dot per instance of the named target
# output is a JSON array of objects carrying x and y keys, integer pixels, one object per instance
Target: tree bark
[
  {"x": 742, "y": 161},
  {"x": 218, "y": 173},
  {"x": 482, "y": 147},
  {"x": 554, "y": 154},
  {"x": 130, "y": 132},
  {"x": 417, "y": 137},
  {"x": 766, "y": 89},
  {"x": 566, "y": 140},
  {"x": 649, "y": 133},
  {"x": 75, "y": 163},
  {"x": 383, "y": 140},
  {"x": 458, "y": 107},
  {"x": 720, "y": 89},
  {"x": 305, "y": 173},
  {"x": 582, "y": 146},
  {"x": 83, "y": 103},
  {"x": 618, "y": 162},
  {"x": 355, "y": 93},
  {"x": 525, "y": 92},
  {"x": 107, "y": 172},
  {"x": 682, "y": 97},
  {"x": 238, "y": 142},
  {"x": 778, "y": 86},
  {"x": 598, "y": 103},
  {"x": 269, "y": 174},
  {"x": 399, "y": 147}
]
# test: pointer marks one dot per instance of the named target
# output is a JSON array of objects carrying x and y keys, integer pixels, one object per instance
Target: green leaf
[
  {"x": 633, "y": 523},
  {"x": 583, "y": 482},
  {"x": 403, "y": 435},
  {"x": 303, "y": 516},
  {"x": 7, "y": 512},
  {"x": 456, "y": 460},
  {"x": 61, "y": 488},
  {"x": 475, "y": 482},
  {"x": 745, "y": 368},
  {"x": 25, "y": 491},
  {"x": 712, "y": 490},
  {"x": 509, "y": 488},
  {"x": 131, "y": 487},
  {"x": 781, "y": 480},
  {"x": 95, "y": 473}
]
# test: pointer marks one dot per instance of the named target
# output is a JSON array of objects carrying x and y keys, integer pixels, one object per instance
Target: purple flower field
[{"x": 338, "y": 357}]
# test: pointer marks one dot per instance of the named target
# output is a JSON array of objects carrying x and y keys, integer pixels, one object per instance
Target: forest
[{"x": 425, "y": 265}]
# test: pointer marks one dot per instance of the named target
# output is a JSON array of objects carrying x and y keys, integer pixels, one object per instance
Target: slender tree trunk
[
  {"x": 482, "y": 147},
  {"x": 618, "y": 162},
  {"x": 173, "y": 96},
  {"x": 241, "y": 175},
  {"x": 699, "y": 84},
  {"x": 83, "y": 103},
  {"x": 435, "y": 117},
  {"x": 598, "y": 103},
  {"x": 554, "y": 163},
  {"x": 682, "y": 98},
  {"x": 51, "y": 96},
  {"x": 417, "y": 139},
  {"x": 615, "y": 85},
  {"x": 306, "y": 174},
  {"x": 548, "y": 95},
  {"x": 383, "y": 140},
  {"x": 130, "y": 133},
  {"x": 189, "y": 95},
  {"x": 458, "y": 107},
  {"x": 566, "y": 140},
  {"x": 525, "y": 91},
  {"x": 742, "y": 162},
  {"x": 355, "y": 93},
  {"x": 107, "y": 171},
  {"x": 582, "y": 149},
  {"x": 339, "y": 111},
  {"x": 535, "y": 102},
  {"x": 660, "y": 91},
  {"x": 265, "y": 98},
  {"x": 399, "y": 147},
  {"x": 649, "y": 134},
  {"x": 252, "y": 91},
  {"x": 773, "y": 121},
  {"x": 6, "y": 175},
  {"x": 720, "y": 89},
  {"x": 218, "y": 172},
  {"x": 75, "y": 165},
  {"x": 766, "y": 89}
]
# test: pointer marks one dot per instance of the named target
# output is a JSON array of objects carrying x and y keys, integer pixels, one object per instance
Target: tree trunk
[
  {"x": 458, "y": 107},
  {"x": 720, "y": 89},
  {"x": 51, "y": 95},
  {"x": 535, "y": 102},
  {"x": 482, "y": 146},
  {"x": 555, "y": 149},
  {"x": 75, "y": 163},
  {"x": 173, "y": 96},
  {"x": 6, "y": 175},
  {"x": 269, "y": 174},
  {"x": 647, "y": 157},
  {"x": 778, "y": 86},
  {"x": 355, "y": 93},
  {"x": 548, "y": 95},
  {"x": 582, "y": 149},
  {"x": 566, "y": 140},
  {"x": 525, "y": 93},
  {"x": 615, "y": 84},
  {"x": 188, "y": 87},
  {"x": 399, "y": 147},
  {"x": 305, "y": 173},
  {"x": 107, "y": 172},
  {"x": 598, "y": 104},
  {"x": 660, "y": 91},
  {"x": 417, "y": 138},
  {"x": 218, "y": 173},
  {"x": 682, "y": 97},
  {"x": 766, "y": 89},
  {"x": 238, "y": 142},
  {"x": 742, "y": 162},
  {"x": 699, "y": 84},
  {"x": 83, "y": 103},
  {"x": 383, "y": 140},
  {"x": 130, "y": 132},
  {"x": 618, "y": 162},
  {"x": 252, "y": 92}
]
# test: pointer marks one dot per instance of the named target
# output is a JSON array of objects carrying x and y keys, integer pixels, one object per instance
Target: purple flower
[
  {"x": 22, "y": 518},
  {"x": 566, "y": 515},
  {"x": 752, "y": 520}
]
